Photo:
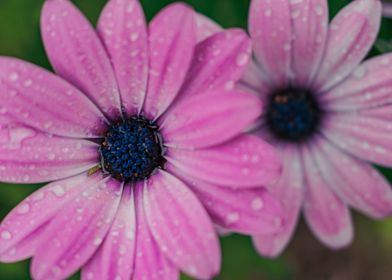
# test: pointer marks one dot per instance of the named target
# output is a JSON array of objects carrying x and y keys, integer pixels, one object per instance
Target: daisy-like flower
[
  {"x": 329, "y": 115},
  {"x": 140, "y": 137}
]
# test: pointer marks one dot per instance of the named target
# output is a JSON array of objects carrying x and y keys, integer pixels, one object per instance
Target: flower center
[
  {"x": 132, "y": 149},
  {"x": 293, "y": 114}
]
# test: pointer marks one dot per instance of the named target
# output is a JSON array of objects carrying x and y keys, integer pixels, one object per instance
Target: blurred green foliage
[{"x": 370, "y": 257}]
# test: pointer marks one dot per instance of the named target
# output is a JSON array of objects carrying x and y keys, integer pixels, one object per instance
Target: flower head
[
  {"x": 328, "y": 114},
  {"x": 140, "y": 137}
]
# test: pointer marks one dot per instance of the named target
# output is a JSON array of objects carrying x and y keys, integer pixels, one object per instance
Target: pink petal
[
  {"x": 271, "y": 32},
  {"x": 122, "y": 27},
  {"x": 369, "y": 86},
  {"x": 356, "y": 182},
  {"x": 37, "y": 98},
  {"x": 289, "y": 189},
  {"x": 150, "y": 262},
  {"x": 115, "y": 258},
  {"x": 172, "y": 40},
  {"x": 181, "y": 226},
  {"x": 77, "y": 54},
  {"x": 247, "y": 211},
  {"x": 246, "y": 161},
  {"x": 209, "y": 119},
  {"x": 256, "y": 81},
  {"x": 383, "y": 113},
  {"x": 76, "y": 232},
  {"x": 27, "y": 221},
  {"x": 365, "y": 137},
  {"x": 219, "y": 61},
  {"x": 310, "y": 22},
  {"x": 30, "y": 156},
  {"x": 206, "y": 27},
  {"x": 351, "y": 35},
  {"x": 325, "y": 213}
]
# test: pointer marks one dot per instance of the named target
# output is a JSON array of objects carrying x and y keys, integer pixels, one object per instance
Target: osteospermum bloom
[
  {"x": 329, "y": 115},
  {"x": 140, "y": 137}
]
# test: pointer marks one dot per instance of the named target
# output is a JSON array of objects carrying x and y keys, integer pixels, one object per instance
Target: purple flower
[
  {"x": 329, "y": 115},
  {"x": 140, "y": 137}
]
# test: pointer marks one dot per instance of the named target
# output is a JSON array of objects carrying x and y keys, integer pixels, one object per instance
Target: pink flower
[
  {"x": 163, "y": 121},
  {"x": 329, "y": 115}
]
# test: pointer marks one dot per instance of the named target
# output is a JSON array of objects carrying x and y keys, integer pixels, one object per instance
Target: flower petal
[
  {"x": 205, "y": 120},
  {"x": 246, "y": 161},
  {"x": 30, "y": 156},
  {"x": 37, "y": 98},
  {"x": 26, "y": 221},
  {"x": 271, "y": 32},
  {"x": 206, "y": 27},
  {"x": 246, "y": 211},
  {"x": 172, "y": 41},
  {"x": 181, "y": 226},
  {"x": 219, "y": 61},
  {"x": 365, "y": 137},
  {"x": 115, "y": 258},
  {"x": 356, "y": 182},
  {"x": 351, "y": 35},
  {"x": 123, "y": 29},
  {"x": 327, "y": 216},
  {"x": 77, "y": 54},
  {"x": 150, "y": 262},
  {"x": 289, "y": 189},
  {"x": 76, "y": 232},
  {"x": 310, "y": 22},
  {"x": 369, "y": 86}
]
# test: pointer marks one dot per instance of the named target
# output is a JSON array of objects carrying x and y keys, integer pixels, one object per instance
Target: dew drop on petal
[
  {"x": 257, "y": 203},
  {"x": 6, "y": 235}
]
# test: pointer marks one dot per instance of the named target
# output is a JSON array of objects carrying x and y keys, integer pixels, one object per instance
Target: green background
[{"x": 369, "y": 257}]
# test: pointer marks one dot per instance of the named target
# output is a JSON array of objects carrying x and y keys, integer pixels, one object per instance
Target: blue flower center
[
  {"x": 132, "y": 149},
  {"x": 293, "y": 114}
]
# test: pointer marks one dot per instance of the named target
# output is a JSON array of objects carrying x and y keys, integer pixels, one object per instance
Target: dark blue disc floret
[
  {"x": 132, "y": 149},
  {"x": 293, "y": 114}
]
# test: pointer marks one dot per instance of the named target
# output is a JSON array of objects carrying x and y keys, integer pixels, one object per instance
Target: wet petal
[
  {"x": 30, "y": 156},
  {"x": 37, "y": 98},
  {"x": 209, "y": 119},
  {"x": 247, "y": 211},
  {"x": 356, "y": 182},
  {"x": 25, "y": 223},
  {"x": 365, "y": 137},
  {"x": 172, "y": 41},
  {"x": 115, "y": 258},
  {"x": 76, "y": 232},
  {"x": 351, "y": 35},
  {"x": 369, "y": 86},
  {"x": 246, "y": 161},
  {"x": 150, "y": 262},
  {"x": 327, "y": 216},
  {"x": 219, "y": 61},
  {"x": 271, "y": 32},
  {"x": 206, "y": 27},
  {"x": 77, "y": 54},
  {"x": 181, "y": 226},
  {"x": 289, "y": 189},
  {"x": 122, "y": 27},
  {"x": 310, "y": 25}
]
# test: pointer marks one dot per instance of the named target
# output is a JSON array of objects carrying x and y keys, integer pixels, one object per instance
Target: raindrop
[
  {"x": 6, "y": 235},
  {"x": 257, "y": 203}
]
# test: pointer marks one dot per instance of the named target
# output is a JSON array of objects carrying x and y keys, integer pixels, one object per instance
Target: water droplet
[
  {"x": 6, "y": 235},
  {"x": 97, "y": 241},
  {"x": 268, "y": 12},
  {"x": 58, "y": 190},
  {"x": 51, "y": 156},
  {"x": 13, "y": 77},
  {"x": 232, "y": 217},
  {"x": 257, "y": 203},
  {"x": 134, "y": 37},
  {"x": 24, "y": 208},
  {"x": 242, "y": 59}
]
